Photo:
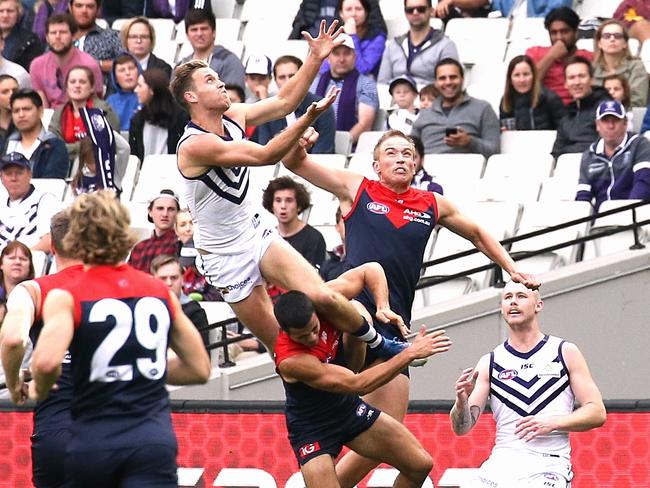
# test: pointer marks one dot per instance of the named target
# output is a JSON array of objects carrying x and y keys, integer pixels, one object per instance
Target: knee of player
[{"x": 422, "y": 463}]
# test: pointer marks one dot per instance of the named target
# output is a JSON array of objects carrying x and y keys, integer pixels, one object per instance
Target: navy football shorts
[{"x": 48, "y": 454}]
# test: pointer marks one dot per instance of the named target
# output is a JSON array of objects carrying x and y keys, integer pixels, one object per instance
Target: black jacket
[
  {"x": 22, "y": 46},
  {"x": 545, "y": 116},
  {"x": 156, "y": 62},
  {"x": 577, "y": 129},
  {"x": 174, "y": 132}
]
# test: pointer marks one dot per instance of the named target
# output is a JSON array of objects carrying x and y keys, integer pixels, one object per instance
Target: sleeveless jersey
[
  {"x": 392, "y": 229},
  {"x": 223, "y": 216},
  {"x": 531, "y": 383},
  {"x": 122, "y": 321},
  {"x": 54, "y": 412}
]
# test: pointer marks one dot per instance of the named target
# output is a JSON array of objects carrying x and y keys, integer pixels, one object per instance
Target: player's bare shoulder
[{"x": 194, "y": 153}]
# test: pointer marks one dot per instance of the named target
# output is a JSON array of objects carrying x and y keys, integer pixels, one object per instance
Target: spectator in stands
[
  {"x": 619, "y": 90},
  {"x": 612, "y": 57},
  {"x": 258, "y": 70},
  {"x": 421, "y": 179},
  {"x": 459, "y": 9},
  {"x": 562, "y": 26},
  {"x": 8, "y": 86},
  {"x": 428, "y": 94},
  {"x": 121, "y": 9},
  {"x": 159, "y": 124},
  {"x": 28, "y": 211},
  {"x": 311, "y": 12},
  {"x": 139, "y": 39},
  {"x": 577, "y": 129},
  {"x": 44, "y": 11},
  {"x": 46, "y": 153},
  {"x": 358, "y": 102},
  {"x": 162, "y": 213},
  {"x": 334, "y": 264},
  {"x": 124, "y": 79},
  {"x": 404, "y": 112},
  {"x": 51, "y": 69},
  {"x": 531, "y": 8},
  {"x": 66, "y": 122},
  {"x": 369, "y": 39},
  {"x": 85, "y": 180},
  {"x": 287, "y": 199},
  {"x": 200, "y": 28},
  {"x": 236, "y": 93},
  {"x": 102, "y": 44},
  {"x": 635, "y": 15},
  {"x": 615, "y": 167},
  {"x": 169, "y": 270},
  {"x": 526, "y": 104},
  {"x": 175, "y": 10},
  {"x": 16, "y": 266},
  {"x": 14, "y": 69},
  {"x": 20, "y": 45},
  {"x": 456, "y": 122},
  {"x": 284, "y": 69},
  {"x": 419, "y": 50}
]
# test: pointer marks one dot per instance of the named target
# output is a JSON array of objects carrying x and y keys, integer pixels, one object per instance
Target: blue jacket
[
  {"x": 124, "y": 103},
  {"x": 536, "y": 8},
  {"x": 626, "y": 175},
  {"x": 50, "y": 159}
]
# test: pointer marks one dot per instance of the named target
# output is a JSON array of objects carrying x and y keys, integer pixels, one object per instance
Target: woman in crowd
[
  {"x": 15, "y": 267},
  {"x": 526, "y": 104},
  {"x": 619, "y": 89},
  {"x": 158, "y": 126},
  {"x": 612, "y": 57},
  {"x": 139, "y": 38},
  {"x": 8, "y": 86},
  {"x": 66, "y": 122}
]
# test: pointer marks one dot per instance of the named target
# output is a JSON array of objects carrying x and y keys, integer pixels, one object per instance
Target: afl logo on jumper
[
  {"x": 378, "y": 208},
  {"x": 508, "y": 374}
]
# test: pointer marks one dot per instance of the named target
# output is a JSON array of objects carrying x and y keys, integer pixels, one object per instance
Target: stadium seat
[
  {"x": 527, "y": 141},
  {"x": 567, "y": 166},
  {"x": 385, "y": 98},
  {"x": 166, "y": 49},
  {"x": 492, "y": 75},
  {"x": 492, "y": 33},
  {"x": 157, "y": 172},
  {"x": 554, "y": 189},
  {"x": 294, "y": 47},
  {"x": 368, "y": 140},
  {"x": 490, "y": 92},
  {"x": 223, "y": 8},
  {"x": 129, "y": 178},
  {"x": 588, "y": 9},
  {"x": 323, "y": 210},
  {"x": 263, "y": 9},
  {"x": 164, "y": 28},
  {"x": 530, "y": 29},
  {"x": 47, "y": 117},
  {"x": 533, "y": 165},
  {"x": 637, "y": 118},
  {"x": 330, "y": 234},
  {"x": 379, "y": 125},
  {"x": 40, "y": 261},
  {"x": 507, "y": 189},
  {"x": 362, "y": 163},
  {"x": 343, "y": 143},
  {"x": 277, "y": 32},
  {"x": 396, "y": 26},
  {"x": 55, "y": 186},
  {"x": 259, "y": 178},
  {"x": 454, "y": 166},
  {"x": 447, "y": 290}
]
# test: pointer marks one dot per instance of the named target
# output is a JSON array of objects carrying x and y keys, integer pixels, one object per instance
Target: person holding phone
[{"x": 456, "y": 122}]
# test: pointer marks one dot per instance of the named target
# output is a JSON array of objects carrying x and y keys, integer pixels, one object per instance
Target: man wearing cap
[
  {"x": 25, "y": 216},
  {"x": 284, "y": 69},
  {"x": 258, "y": 77},
  {"x": 419, "y": 50},
  {"x": 162, "y": 212},
  {"x": 404, "y": 112},
  {"x": 617, "y": 165},
  {"x": 358, "y": 102},
  {"x": 577, "y": 129}
]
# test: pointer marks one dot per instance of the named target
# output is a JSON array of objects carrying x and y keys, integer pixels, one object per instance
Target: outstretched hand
[
  {"x": 322, "y": 46},
  {"x": 465, "y": 384},
  {"x": 426, "y": 345},
  {"x": 528, "y": 280},
  {"x": 317, "y": 108},
  {"x": 386, "y": 316}
]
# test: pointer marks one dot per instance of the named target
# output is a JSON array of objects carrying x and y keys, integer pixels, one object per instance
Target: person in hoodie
[
  {"x": 577, "y": 129},
  {"x": 124, "y": 78}
]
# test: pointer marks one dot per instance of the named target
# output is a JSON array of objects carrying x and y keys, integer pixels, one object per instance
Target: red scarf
[{"x": 72, "y": 127}]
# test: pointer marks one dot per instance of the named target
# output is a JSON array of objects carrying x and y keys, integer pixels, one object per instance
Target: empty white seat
[
  {"x": 164, "y": 28},
  {"x": 263, "y": 9},
  {"x": 567, "y": 166},
  {"x": 129, "y": 178},
  {"x": 558, "y": 188},
  {"x": 505, "y": 189},
  {"x": 362, "y": 163},
  {"x": 530, "y": 28},
  {"x": 527, "y": 141},
  {"x": 343, "y": 142},
  {"x": 158, "y": 171},
  {"x": 440, "y": 292},
  {"x": 55, "y": 186},
  {"x": 330, "y": 234},
  {"x": 453, "y": 166},
  {"x": 294, "y": 47},
  {"x": 258, "y": 180},
  {"x": 47, "y": 117},
  {"x": 385, "y": 98},
  {"x": 491, "y": 32},
  {"x": 323, "y": 210},
  {"x": 368, "y": 140},
  {"x": 533, "y": 165},
  {"x": 223, "y": 8},
  {"x": 637, "y": 118},
  {"x": 587, "y": 9},
  {"x": 40, "y": 261},
  {"x": 279, "y": 33}
]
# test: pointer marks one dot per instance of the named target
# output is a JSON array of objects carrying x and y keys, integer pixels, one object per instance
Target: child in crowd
[
  {"x": 124, "y": 100},
  {"x": 619, "y": 89},
  {"x": 401, "y": 116},
  {"x": 428, "y": 94}
]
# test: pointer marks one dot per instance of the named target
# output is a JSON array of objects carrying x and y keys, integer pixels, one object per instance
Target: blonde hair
[
  {"x": 182, "y": 80},
  {"x": 124, "y": 31},
  {"x": 99, "y": 230}
]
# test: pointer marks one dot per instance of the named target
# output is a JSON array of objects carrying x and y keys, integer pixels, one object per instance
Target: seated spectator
[
  {"x": 456, "y": 122},
  {"x": 284, "y": 69},
  {"x": 66, "y": 121},
  {"x": 169, "y": 270},
  {"x": 428, "y": 94},
  {"x": 235, "y": 93},
  {"x": 615, "y": 167},
  {"x": 635, "y": 15},
  {"x": 51, "y": 69},
  {"x": 8, "y": 86},
  {"x": 28, "y": 211},
  {"x": 577, "y": 129},
  {"x": 526, "y": 105},
  {"x": 162, "y": 213},
  {"x": 422, "y": 180},
  {"x": 200, "y": 28},
  {"x": 419, "y": 50},
  {"x": 20, "y": 45},
  {"x": 287, "y": 199},
  {"x": 175, "y": 10},
  {"x": 16, "y": 266},
  {"x": 403, "y": 112},
  {"x": 15, "y": 70},
  {"x": 44, "y": 10},
  {"x": 124, "y": 79},
  {"x": 312, "y": 12},
  {"x": 612, "y": 57},
  {"x": 46, "y": 153},
  {"x": 258, "y": 70},
  {"x": 562, "y": 26},
  {"x": 531, "y": 8},
  {"x": 159, "y": 124},
  {"x": 619, "y": 90},
  {"x": 334, "y": 264},
  {"x": 358, "y": 102},
  {"x": 369, "y": 38},
  {"x": 139, "y": 39},
  {"x": 460, "y": 9}
]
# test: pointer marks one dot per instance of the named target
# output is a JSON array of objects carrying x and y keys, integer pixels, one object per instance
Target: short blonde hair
[
  {"x": 100, "y": 231},
  {"x": 124, "y": 31}
]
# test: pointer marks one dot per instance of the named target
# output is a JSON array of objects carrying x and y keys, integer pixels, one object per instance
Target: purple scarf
[
  {"x": 44, "y": 12},
  {"x": 346, "y": 113},
  {"x": 161, "y": 8}
]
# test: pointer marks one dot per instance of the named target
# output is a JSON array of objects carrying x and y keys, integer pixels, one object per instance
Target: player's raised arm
[{"x": 472, "y": 390}]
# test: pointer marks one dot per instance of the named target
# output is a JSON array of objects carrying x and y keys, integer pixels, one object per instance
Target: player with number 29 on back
[{"x": 117, "y": 323}]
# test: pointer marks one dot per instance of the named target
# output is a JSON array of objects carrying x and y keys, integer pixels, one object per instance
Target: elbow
[
  {"x": 601, "y": 417},
  {"x": 12, "y": 342},
  {"x": 45, "y": 365},
  {"x": 204, "y": 372}
]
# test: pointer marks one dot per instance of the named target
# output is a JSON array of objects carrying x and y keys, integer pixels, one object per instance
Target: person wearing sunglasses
[
  {"x": 612, "y": 56},
  {"x": 417, "y": 52}
]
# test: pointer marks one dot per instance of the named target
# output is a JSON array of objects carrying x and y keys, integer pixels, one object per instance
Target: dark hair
[
  {"x": 303, "y": 199},
  {"x": 9, "y": 248},
  {"x": 124, "y": 58},
  {"x": 507, "y": 102},
  {"x": 59, "y": 226},
  {"x": 238, "y": 89},
  {"x": 163, "y": 260},
  {"x": 375, "y": 23},
  {"x": 579, "y": 60},
  {"x": 563, "y": 14},
  {"x": 27, "y": 93},
  {"x": 97, "y": 2},
  {"x": 419, "y": 146},
  {"x": 198, "y": 16},
  {"x": 160, "y": 109},
  {"x": 430, "y": 90},
  {"x": 63, "y": 18},
  {"x": 86, "y": 154},
  {"x": 338, "y": 215},
  {"x": 293, "y": 310},
  {"x": 429, "y": 4},
  {"x": 182, "y": 80},
  {"x": 627, "y": 92},
  {"x": 286, "y": 59},
  {"x": 5, "y": 76},
  {"x": 446, "y": 61}
]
